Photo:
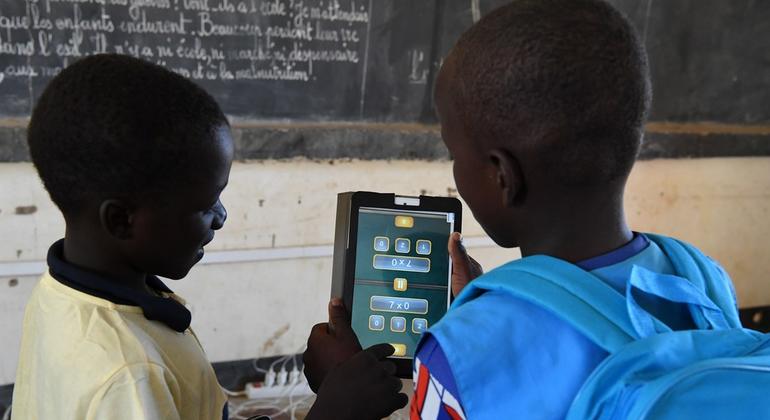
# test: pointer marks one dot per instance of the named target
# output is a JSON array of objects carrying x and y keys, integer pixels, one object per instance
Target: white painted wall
[{"x": 281, "y": 228}]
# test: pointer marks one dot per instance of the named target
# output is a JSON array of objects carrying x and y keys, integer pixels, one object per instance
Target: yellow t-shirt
[{"x": 84, "y": 358}]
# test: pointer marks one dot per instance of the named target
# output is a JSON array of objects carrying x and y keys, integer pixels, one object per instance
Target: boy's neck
[
  {"x": 577, "y": 232},
  {"x": 82, "y": 250}
]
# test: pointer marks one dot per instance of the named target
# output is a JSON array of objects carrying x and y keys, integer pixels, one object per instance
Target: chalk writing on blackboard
[{"x": 212, "y": 40}]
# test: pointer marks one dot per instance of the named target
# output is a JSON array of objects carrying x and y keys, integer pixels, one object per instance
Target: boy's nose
[{"x": 220, "y": 215}]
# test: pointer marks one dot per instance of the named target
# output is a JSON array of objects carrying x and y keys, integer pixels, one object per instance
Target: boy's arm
[
  {"x": 362, "y": 388},
  {"x": 329, "y": 345},
  {"x": 142, "y": 391},
  {"x": 350, "y": 383}
]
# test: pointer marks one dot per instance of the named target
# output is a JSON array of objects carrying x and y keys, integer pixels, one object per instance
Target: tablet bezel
[{"x": 388, "y": 201}]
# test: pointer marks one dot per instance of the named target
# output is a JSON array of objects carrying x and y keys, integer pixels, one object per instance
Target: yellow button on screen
[
  {"x": 404, "y": 221},
  {"x": 400, "y": 284},
  {"x": 400, "y": 350}
]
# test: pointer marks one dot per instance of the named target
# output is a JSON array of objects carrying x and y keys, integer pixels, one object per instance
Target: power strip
[{"x": 257, "y": 391}]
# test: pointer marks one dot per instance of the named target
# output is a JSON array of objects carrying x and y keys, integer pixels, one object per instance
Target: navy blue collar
[
  {"x": 638, "y": 244},
  {"x": 166, "y": 310}
]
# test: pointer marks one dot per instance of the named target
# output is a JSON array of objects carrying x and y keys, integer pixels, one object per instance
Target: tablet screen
[{"x": 402, "y": 274}]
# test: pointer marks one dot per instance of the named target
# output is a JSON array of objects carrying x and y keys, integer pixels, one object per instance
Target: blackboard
[
  {"x": 374, "y": 61},
  {"x": 709, "y": 59},
  {"x": 314, "y": 60},
  {"x": 260, "y": 59}
]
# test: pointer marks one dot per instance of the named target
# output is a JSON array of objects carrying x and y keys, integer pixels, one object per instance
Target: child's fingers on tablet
[
  {"x": 390, "y": 397},
  {"x": 380, "y": 351},
  {"x": 339, "y": 320},
  {"x": 387, "y": 403},
  {"x": 398, "y": 401},
  {"x": 458, "y": 253},
  {"x": 320, "y": 328},
  {"x": 390, "y": 385},
  {"x": 316, "y": 361},
  {"x": 476, "y": 269},
  {"x": 461, "y": 270},
  {"x": 389, "y": 368},
  {"x": 455, "y": 240},
  {"x": 464, "y": 267}
]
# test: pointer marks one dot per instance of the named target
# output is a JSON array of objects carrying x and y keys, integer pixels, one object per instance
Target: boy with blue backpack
[{"x": 542, "y": 105}]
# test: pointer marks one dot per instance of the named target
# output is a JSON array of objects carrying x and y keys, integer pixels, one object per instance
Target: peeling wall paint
[{"x": 245, "y": 309}]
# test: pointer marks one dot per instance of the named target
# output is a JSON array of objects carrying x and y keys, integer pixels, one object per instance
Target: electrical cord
[
  {"x": 234, "y": 393},
  {"x": 291, "y": 381}
]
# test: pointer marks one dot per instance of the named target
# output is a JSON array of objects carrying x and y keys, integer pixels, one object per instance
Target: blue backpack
[{"x": 719, "y": 371}]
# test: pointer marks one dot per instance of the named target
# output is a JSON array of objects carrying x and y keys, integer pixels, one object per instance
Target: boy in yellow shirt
[{"x": 136, "y": 157}]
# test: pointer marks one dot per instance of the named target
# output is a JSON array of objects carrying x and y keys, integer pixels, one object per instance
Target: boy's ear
[
  {"x": 510, "y": 178},
  {"x": 117, "y": 218}
]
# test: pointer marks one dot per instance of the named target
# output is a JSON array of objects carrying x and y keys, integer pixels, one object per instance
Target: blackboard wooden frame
[{"x": 421, "y": 142}]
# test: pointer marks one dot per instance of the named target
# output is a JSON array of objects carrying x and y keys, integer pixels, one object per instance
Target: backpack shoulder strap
[
  {"x": 589, "y": 304},
  {"x": 705, "y": 274},
  {"x": 605, "y": 316}
]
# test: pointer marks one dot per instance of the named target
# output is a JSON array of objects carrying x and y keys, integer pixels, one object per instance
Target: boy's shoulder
[
  {"x": 67, "y": 325},
  {"x": 103, "y": 351},
  {"x": 500, "y": 318},
  {"x": 497, "y": 333}
]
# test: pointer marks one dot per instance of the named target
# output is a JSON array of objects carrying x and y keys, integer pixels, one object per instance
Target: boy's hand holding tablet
[
  {"x": 464, "y": 267},
  {"x": 358, "y": 388},
  {"x": 330, "y": 344}
]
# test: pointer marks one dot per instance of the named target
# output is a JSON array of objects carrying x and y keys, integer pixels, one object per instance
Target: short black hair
[
  {"x": 116, "y": 125},
  {"x": 568, "y": 76}
]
